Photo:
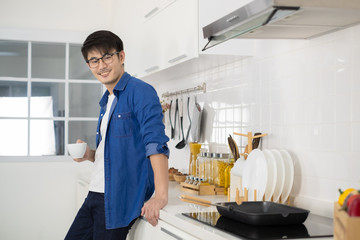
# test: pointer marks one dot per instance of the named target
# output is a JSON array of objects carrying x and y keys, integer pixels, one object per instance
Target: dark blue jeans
[{"x": 89, "y": 223}]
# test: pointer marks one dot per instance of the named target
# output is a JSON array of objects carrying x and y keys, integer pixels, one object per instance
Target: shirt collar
[{"x": 120, "y": 86}]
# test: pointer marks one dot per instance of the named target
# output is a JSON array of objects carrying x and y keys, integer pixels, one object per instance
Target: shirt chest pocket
[{"x": 122, "y": 124}]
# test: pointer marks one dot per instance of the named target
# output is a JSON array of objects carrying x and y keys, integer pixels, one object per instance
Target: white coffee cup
[{"x": 76, "y": 150}]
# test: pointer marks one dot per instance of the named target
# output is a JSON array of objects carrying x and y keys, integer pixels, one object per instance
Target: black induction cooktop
[{"x": 314, "y": 227}]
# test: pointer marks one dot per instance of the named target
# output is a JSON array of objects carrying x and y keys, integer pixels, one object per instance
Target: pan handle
[
  {"x": 203, "y": 202},
  {"x": 196, "y": 200}
]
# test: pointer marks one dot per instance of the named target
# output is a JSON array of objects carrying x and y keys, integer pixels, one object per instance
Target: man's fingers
[{"x": 142, "y": 211}]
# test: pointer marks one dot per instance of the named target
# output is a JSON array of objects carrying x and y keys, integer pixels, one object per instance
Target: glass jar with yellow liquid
[
  {"x": 194, "y": 150},
  {"x": 202, "y": 164},
  {"x": 213, "y": 169},
  {"x": 221, "y": 163},
  {"x": 227, "y": 175}
]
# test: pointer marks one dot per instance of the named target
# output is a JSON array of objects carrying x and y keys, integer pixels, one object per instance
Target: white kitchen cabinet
[
  {"x": 173, "y": 34},
  {"x": 163, "y": 231},
  {"x": 169, "y": 40},
  {"x": 164, "y": 40}
]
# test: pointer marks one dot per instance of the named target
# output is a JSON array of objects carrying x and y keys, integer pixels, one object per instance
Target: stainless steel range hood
[{"x": 283, "y": 19}]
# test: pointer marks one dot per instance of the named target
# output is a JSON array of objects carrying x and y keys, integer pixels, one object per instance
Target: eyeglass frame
[{"x": 98, "y": 59}]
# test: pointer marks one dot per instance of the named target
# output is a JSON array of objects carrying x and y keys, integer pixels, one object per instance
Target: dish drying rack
[
  {"x": 251, "y": 142},
  {"x": 244, "y": 197}
]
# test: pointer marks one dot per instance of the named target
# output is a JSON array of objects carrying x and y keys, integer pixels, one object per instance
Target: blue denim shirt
[{"x": 135, "y": 131}]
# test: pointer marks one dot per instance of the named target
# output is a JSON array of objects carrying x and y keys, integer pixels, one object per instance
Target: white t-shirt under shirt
[{"x": 97, "y": 183}]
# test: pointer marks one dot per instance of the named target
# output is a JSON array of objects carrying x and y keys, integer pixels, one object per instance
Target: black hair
[{"x": 103, "y": 41}]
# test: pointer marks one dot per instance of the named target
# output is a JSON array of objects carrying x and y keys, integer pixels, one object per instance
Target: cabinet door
[
  {"x": 170, "y": 37},
  {"x": 181, "y": 32}
]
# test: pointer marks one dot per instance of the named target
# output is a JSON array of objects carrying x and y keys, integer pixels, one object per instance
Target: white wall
[
  {"x": 304, "y": 94},
  {"x": 80, "y": 15}
]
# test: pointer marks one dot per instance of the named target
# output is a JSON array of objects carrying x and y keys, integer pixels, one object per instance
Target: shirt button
[
  {"x": 97, "y": 132},
  {"x": 102, "y": 114},
  {"x": 119, "y": 115}
]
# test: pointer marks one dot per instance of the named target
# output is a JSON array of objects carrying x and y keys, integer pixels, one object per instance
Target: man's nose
[{"x": 102, "y": 64}]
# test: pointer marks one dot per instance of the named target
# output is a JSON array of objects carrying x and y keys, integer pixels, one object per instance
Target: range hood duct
[{"x": 283, "y": 19}]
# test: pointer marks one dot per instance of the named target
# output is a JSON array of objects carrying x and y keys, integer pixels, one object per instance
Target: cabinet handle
[
  {"x": 151, "y": 69},
  {"x": 82, "y": 183},
  {"x": 232, "y": 18},
  {"x": 171, "y": 234},
  {"x": 154, "y": 10},
  {"x": 178, "y": 58}
]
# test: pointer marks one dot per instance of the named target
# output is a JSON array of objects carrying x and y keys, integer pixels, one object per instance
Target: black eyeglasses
[{"x": 107, "y": 58}]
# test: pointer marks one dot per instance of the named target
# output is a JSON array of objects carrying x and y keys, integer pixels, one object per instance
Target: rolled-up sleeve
[
  {"x": 155, "y": 148},
  {"x": 149, "y": 114}
]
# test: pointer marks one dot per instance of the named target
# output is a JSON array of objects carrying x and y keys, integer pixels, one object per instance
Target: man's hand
[
  {"x": 89, "y": 153},
  {"x": 151, "y": 210}
]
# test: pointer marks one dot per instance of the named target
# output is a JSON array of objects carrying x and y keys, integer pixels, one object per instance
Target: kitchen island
[{"x": 174, "y": 225}]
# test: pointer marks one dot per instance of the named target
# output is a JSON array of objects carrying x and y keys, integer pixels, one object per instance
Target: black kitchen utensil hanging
[
  {"x": 188, "y": 113},
  {"x": 172, "y": 127},
  {"x": 182, "y": 143}
]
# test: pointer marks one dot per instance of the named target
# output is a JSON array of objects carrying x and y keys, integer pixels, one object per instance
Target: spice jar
[
  {"x": 196, "y": 181},
  {"x": 187, "y": 179}
]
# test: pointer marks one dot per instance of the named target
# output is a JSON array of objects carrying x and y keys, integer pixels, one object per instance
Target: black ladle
[
  {"x": 182, "y": 143},
  {"x": 188, "y": 111},
  {"x": 172, "y": 128},
  {"x": 176, "y": 117}
]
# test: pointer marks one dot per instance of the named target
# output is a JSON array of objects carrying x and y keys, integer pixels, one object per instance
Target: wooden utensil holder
[
  {"x": 345, "y": 227},
  {"x": 250, "y": 137}
]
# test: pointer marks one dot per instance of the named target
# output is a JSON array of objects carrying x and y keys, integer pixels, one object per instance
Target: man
[{"x": 131, "y": 156}]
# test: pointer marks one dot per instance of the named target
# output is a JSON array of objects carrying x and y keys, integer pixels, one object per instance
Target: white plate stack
[{"x": 270, "y": 172}]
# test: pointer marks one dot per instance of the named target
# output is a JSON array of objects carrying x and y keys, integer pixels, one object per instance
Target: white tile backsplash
[{"x": 303, "y": 93}]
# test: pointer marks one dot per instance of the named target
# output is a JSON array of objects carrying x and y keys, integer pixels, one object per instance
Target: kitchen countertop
[{"x": 172, "y": 215}]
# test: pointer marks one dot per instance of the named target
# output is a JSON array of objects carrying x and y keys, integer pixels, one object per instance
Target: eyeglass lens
[{"x": 106, "y": 58}]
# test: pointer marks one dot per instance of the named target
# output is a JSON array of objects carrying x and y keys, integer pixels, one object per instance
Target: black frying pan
[
  {"x": 257, "y": 213},
  {"x": 263, "y": 213}
]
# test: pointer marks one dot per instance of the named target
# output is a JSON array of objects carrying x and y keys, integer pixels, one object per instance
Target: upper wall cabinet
[
  {"x": 170, "y": 36},
  {"x": 170, "y": 32}
]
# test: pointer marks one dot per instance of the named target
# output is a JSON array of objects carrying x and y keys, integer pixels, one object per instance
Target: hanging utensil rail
[{"x": 195, "y": 89}]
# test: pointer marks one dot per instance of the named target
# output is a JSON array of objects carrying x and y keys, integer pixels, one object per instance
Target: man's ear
[{"x": 122, "y": 57}]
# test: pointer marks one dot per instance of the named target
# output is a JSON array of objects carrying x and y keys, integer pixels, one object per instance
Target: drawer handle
[
  {"x": 171, "y": 234},
  {"x": 153, "y": 11},
  {"x": 178, "y": 58}
]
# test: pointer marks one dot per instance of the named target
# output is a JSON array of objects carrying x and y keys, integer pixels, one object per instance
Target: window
[{"x": 48, "y": 98}]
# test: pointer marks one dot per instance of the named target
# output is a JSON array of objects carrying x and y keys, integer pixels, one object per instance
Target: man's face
[{"x": 108, "y": 73}]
